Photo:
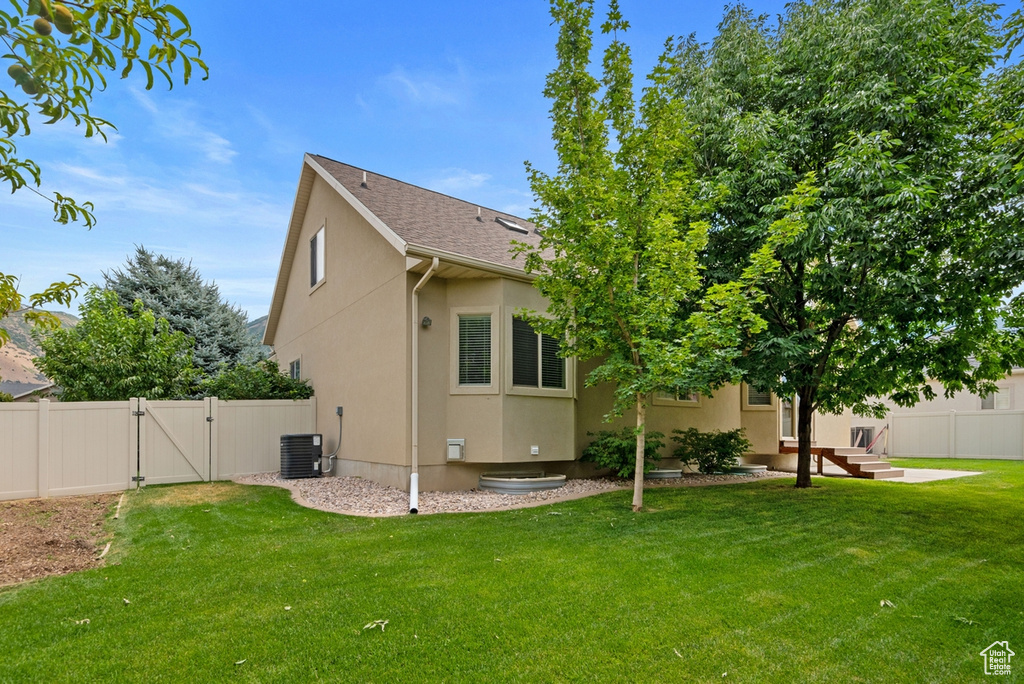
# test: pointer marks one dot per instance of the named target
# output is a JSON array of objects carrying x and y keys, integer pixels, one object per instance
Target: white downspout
[{"x": 414, "y": 478}]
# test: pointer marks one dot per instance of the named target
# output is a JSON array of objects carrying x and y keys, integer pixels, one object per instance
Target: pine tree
[{"x": 173, "y": 289}]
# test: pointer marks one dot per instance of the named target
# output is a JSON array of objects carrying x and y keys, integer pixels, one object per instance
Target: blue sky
[{"x": 446, "y": 95}]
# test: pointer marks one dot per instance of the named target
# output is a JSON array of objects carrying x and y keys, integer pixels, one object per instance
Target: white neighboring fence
[
  {"x": 62, "y": 449},
  {"x": 958, "y": 434}
]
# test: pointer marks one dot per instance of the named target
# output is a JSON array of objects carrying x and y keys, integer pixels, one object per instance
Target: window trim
[
  {"x": 568, "y": 392},
  {"x": 292, "y": 365},
  {"x": 745, "y": 404},
  {"x": 453, "y": 357},
  {"x": 658, "y": 400},
  {"x": 319, "y": 238},
  {"x": 1001, "y": 390}
]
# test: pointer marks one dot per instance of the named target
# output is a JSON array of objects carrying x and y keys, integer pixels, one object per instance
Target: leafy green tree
[
  {"x": 174, "y": 290},
  {"x": 111, "y": 355},
  {"x": 260, "y": 380},
  {"x": 56, "y": 56},
  {"x": 12, "y": 302},
  {"x": 621, "y": 226},
  {"x": 912, "y": 248}
]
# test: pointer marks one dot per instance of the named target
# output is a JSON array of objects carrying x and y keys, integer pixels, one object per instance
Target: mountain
[
  {"x": 17, "y": 354},
  {"x": 257, "y": 327}
]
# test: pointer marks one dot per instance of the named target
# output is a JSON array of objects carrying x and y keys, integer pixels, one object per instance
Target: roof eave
[{"x": 414, "y": 250}]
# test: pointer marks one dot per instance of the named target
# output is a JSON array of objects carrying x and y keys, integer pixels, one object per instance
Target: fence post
[
  {"x": 212, "y": 425},
  {"x": 312, "y": 414},
  {"x": 952, "y": 433},
  {"x": 43, "y": 449},
  {"x": 133, "y": 440},
  {"x": 141, "y": 427}
]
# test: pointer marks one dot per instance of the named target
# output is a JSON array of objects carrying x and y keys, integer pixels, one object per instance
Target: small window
[
  {"x": 295, "y": 370},
  {"x": 475, "y": 350},
  {"x": 316, "y": 258},
  {"x": 756, "y": 397},
  {"x": 535, "y": 359},
  {"x": 691, "y": 398},
  {"x": 998, "y": 400}
]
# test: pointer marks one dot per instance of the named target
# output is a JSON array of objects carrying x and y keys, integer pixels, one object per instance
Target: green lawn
[{"x": 760, "y": 581}]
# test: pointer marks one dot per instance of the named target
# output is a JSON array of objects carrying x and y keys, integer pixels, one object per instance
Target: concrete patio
[{"x": 910, "y": 475}]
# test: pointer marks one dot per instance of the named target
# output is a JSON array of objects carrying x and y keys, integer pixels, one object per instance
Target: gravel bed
[{"x": 356, "y": 496}]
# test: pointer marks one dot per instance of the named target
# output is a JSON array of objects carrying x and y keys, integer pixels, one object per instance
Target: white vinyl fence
[
  {"x": 958, "y": 434},
  {"x": 62, "y": 449}
]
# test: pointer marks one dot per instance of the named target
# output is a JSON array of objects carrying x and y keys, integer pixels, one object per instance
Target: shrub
[
  {"x": 261, "y": 380},
  {"x": 616, "y": 449},
  {"x": 4, "y": 396},
  {"x": 712, "y": 451}
]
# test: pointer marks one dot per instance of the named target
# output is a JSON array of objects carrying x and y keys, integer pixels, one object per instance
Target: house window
[
  {"x": 316, "y": 258},
  {"x": 475, "y": 350},
  {"x": 689, "y": 399},
  {"x": 789, "y": 426},
  {"x": 756, "y": 397},
  {"x": 998, "y": 400},
  {"x": 535, "y": 360},
  {"x": 295, "y": 370}
]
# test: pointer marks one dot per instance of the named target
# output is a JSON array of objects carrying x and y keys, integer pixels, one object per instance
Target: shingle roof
[{"x": 430, "y": 219}]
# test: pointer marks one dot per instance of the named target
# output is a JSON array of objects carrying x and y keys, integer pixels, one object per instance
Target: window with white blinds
[
  {"x": 475, "y": 350},
  {"x": 756, "y": 397},
  {"x": 535, "y": 360}
]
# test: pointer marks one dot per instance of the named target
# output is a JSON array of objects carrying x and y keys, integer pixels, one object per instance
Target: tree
[
  {"x": 260, "y": 380},
  {"x": 621, "y": 230},
  {"x": 12, "y": 302},
  {"x": 174, "y": 290},
  {"x": 912, "y": 248},
  {"x": 53, "y": 76},
  {"x": 112, "y": 356}
]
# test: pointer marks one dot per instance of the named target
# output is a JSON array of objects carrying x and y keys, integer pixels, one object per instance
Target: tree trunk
[
  {"x": 638, "y": 475},
  {"x": 803, "y": 432}
]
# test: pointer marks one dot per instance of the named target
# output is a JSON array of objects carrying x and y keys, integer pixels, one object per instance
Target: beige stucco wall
[
  {"x": 499, "y": 425},
  {"x": 832, "y": 430},
  {"x": 350, "y": 332}
]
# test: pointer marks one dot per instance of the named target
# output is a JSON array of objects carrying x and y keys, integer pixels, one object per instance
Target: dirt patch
[
  {"x": 40, "y": 537},
  {"x": 190, "y": 495}
]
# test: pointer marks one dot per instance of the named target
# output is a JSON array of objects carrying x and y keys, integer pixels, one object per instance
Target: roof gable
[
  {"x": 430, "y": 219},
  {"x": 408, "y": 217}
]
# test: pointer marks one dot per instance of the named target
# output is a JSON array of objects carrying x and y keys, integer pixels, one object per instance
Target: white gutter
[{"x": 414, "y": 478}]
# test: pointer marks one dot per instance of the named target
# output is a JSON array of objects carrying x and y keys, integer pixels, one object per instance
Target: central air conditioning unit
[{"x": 300, "y": 456}]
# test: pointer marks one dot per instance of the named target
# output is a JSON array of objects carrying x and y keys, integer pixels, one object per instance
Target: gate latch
[{"x": 138, "y": 413}]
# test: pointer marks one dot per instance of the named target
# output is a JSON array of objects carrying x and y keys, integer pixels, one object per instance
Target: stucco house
[{"x": 398, "y": 304}]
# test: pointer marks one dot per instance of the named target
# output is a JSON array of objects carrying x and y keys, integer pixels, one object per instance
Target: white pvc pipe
[{"x": 414, "y": 477}]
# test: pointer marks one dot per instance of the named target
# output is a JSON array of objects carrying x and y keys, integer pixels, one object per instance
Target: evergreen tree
[{"x": 174, "y": 290}]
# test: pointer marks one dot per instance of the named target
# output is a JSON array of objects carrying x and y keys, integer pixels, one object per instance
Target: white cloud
[
  {"x": 177, "y": 123},
  {"x": 453, "y": 181},
  {"x": 426, "y": 88}
]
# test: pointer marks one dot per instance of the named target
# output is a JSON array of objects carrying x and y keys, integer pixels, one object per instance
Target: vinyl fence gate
[{"x": 64, "y": 449}]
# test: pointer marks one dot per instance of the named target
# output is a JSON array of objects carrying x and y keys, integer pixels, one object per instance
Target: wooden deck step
[
  {"x": 883, "y": 474},
  {"x": 853, "y": 460}
]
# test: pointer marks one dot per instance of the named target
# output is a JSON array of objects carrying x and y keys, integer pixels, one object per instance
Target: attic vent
[{"x": 511, "y": 225}]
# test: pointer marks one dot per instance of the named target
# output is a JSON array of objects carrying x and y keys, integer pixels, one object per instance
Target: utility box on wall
[{"x": 456, "y": 450}]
